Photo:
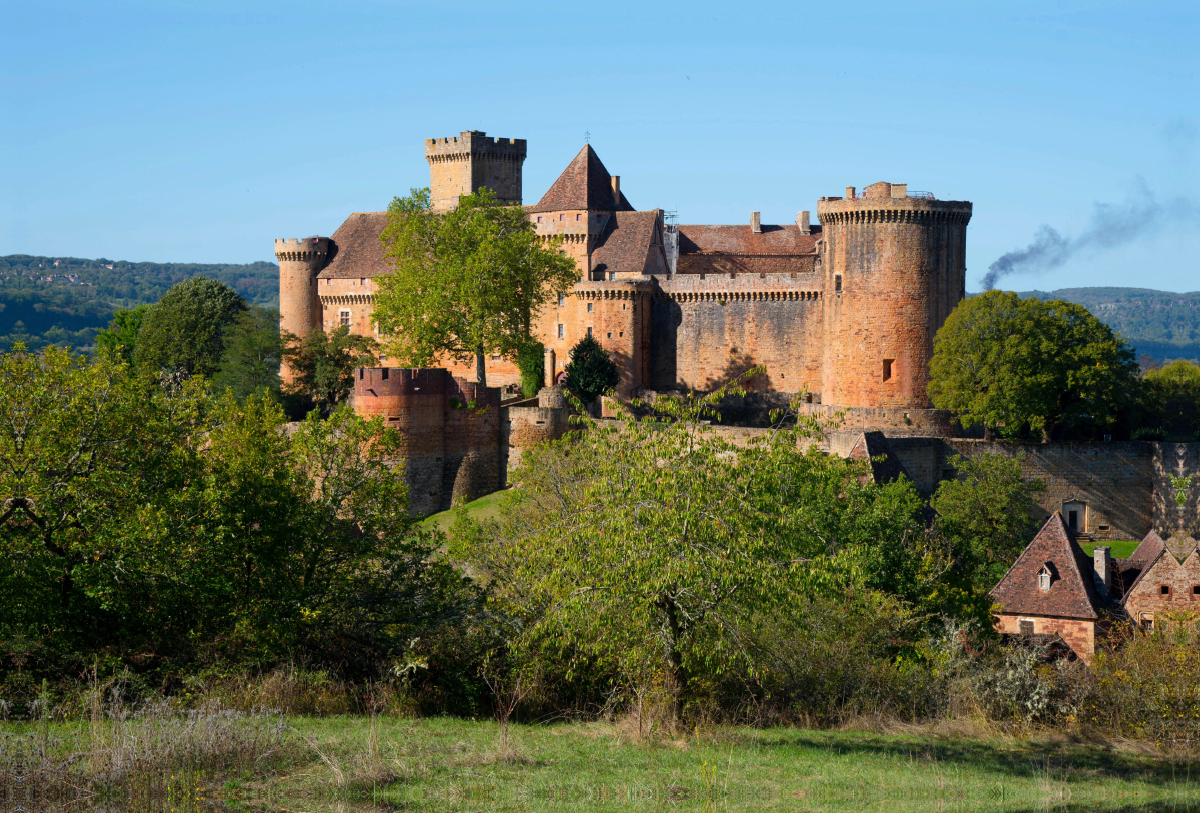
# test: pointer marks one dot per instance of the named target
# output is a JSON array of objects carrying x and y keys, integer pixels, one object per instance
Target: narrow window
[
  {"x": 561, "y": 297},
  {"x": 1025, "y": 625},
  {"x": 589, "y": 307},
  {"x": 589, "y": 333},
  {"x": 560, "y": 331},
  {"x": 837, "y": 283},
  {"x": 887, "y": 369},
  {"x": 385, "y": 372},
  {"x": 612, "y": 275},
  {"x": 621, "y": 335},
  {"x": 1043, "y": 581},
  {"x": 1164, "y": 589},
  {"x": 344, "y": 318},
  {"x": 360, "y": 374},
  {"x": 610, "y": 335}
]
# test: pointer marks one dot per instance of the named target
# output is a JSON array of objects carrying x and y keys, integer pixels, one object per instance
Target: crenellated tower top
[{"x": 461, "y": 164}]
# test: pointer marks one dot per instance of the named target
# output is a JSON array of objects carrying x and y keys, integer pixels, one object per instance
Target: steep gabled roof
[
  {"x": 626, "y": 242},
  {"x": 356, "y": 249},
  {"x": 1072, "y": 592},
  {"x": 1131, "y": 570},
  {"x": 584, "y": 184},
  {"x": 874, "y": 448}
]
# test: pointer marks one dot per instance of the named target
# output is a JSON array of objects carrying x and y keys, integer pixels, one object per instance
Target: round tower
[
  {"x": 413, "y": 402},
  {"x": 299, "y": 262},
  {"x": 894, "y": 267}
]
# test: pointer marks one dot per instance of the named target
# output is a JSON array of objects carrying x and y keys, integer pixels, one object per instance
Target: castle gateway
[{"x": 845, "y": 310}]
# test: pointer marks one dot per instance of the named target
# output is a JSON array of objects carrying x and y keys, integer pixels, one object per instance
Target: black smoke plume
[{"x": 1111, "y": 225}]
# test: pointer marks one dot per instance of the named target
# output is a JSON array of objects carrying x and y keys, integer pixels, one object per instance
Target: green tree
[
  {"x": 531, "y": 361},
  {"x": 1009, "y": 363},
  {"x": 323, "y": 364},
  {"x": 987, "y": 513},
  {"x": 657, "y": 546},
  {"x": 1172, "y": 394},
  {"x": 253, "y": 349},
  {"x": 465, "y": 282},
  {"x": 121, "y": 334},
  {"x": 590, "y": 372},
  {"x": 185, "y": 331}
]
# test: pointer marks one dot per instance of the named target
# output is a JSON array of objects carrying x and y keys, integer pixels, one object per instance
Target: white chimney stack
[
  {"x": 802, "y": 222},
  {"x": 755, "y": 223},
  {"x": 1102, "y": 563}
]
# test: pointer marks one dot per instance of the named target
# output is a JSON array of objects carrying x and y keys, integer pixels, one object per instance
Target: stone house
[{"x": 1162, "y": 582}]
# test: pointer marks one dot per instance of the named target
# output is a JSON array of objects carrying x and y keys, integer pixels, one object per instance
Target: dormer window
[{"x": 1043, "y": 579}]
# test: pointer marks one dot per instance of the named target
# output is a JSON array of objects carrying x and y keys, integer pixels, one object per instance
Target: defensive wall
[
  {"x": 1119, "y": 489},
  {"x": 450, "y": 432}
]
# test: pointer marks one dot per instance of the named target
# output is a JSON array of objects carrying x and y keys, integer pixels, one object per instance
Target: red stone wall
[
  {"x": 902, "y": 264},
  {"x": 1078, "y": 633},
  {"x": 708, "y": 329}
]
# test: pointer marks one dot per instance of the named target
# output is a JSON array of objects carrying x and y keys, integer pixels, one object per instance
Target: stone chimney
[
  {"x": 802, "y": 222},
  {"x": 849, "y": 193},
  {"x": 1102, "y": 562},
  {"x": 616, "y": 182},
  {"x": 755, "y": 223}
]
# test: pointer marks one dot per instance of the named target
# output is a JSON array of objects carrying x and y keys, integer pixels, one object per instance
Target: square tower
[{"x": 461, "y": 165}]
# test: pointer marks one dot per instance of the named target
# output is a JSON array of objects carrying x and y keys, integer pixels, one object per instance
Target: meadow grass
[
  {"x": 446, "y": 764},
  {"x": 1121, "y": 549},
  {"x": 459, "y": 765},
  {"x": 483, "y": 508}
]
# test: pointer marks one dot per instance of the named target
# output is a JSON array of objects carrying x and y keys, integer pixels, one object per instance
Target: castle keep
[{"x": 844, "y": 309}]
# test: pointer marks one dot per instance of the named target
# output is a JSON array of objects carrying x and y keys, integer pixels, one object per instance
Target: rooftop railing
[{"x": 925, "y": 195}]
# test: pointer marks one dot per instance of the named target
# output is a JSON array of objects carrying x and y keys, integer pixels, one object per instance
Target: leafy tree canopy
[
  {"x": 466, "y": 282},
  {"x": 323, "y": 364},
  {"x": 253, "y": 349},
  {"x": 658, "y": 547},
  {"x": 590, "y": 372},
  {"x": 185, "y": 331},
  {"x": 1013, "y": 364},
  {"x": 121, "y": 334},
  {"x": 1172, "y": 398}
]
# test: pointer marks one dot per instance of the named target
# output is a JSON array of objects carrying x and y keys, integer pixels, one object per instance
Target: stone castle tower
[
  {"x": 895, "y": 266},
  {"x": 461, "y": 165},
  {"x": 299, "y": 263}
]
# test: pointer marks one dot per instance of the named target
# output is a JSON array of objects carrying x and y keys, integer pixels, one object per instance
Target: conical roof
[{"x": 584, "y": 184}]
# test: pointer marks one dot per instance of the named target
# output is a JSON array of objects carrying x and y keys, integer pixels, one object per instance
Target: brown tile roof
[
  {"x": 584, "y": 184},
  {"x": 773, "y": 241},
  {"x": 1072, "y": 592},
  {"x": 1130, "y": 571},
  {"x": 355, "y": 248},
  {"x": 737, "y": 249},
  {"x": 628, "y": 244},
  {"x": 873, "y": 447}
]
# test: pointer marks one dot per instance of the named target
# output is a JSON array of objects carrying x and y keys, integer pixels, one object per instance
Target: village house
[{"x": 1055, "y": 589}]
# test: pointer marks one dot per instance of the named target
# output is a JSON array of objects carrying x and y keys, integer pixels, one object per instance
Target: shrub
[{"x": 531, "y": 361}]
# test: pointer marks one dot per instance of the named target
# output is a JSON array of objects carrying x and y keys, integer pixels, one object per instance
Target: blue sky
[{"x": 199, "y": 132}]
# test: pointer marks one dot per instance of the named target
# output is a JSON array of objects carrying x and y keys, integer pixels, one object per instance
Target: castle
[{"x": 844, "y": 310}]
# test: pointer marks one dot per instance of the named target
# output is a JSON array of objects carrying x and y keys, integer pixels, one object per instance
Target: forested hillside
[
  {"x": 65, "y": 300},
  {"x": 1161, "y": 324}
]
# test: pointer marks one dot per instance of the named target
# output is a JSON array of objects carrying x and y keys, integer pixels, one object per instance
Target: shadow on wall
[{"x": 737, "y": 364}]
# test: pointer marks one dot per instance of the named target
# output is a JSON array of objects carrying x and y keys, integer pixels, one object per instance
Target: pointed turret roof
[
  {"x": 1072, "y": 592},
  {"x": 584, "y": 184}
]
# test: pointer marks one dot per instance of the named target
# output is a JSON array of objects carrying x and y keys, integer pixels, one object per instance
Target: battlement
[
  {"x": 890, "y": 202},
  {"x": 471, "y": 143},
  {"x": 301, "y": 249},
  {"x": 389, "y": 382}
]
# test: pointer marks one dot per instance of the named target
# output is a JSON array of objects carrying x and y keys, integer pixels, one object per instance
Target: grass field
[
  {"x": 458, "y": 765},
  {"x": 483, "y": 508},
  {"x": 1121, "y": 549},
  {"x": 442, "y": 764}
]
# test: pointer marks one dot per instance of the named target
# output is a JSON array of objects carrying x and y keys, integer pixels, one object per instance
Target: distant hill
[
  {"x": 66, "y": 300},
  {"x": 1161, "y": 324}
]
